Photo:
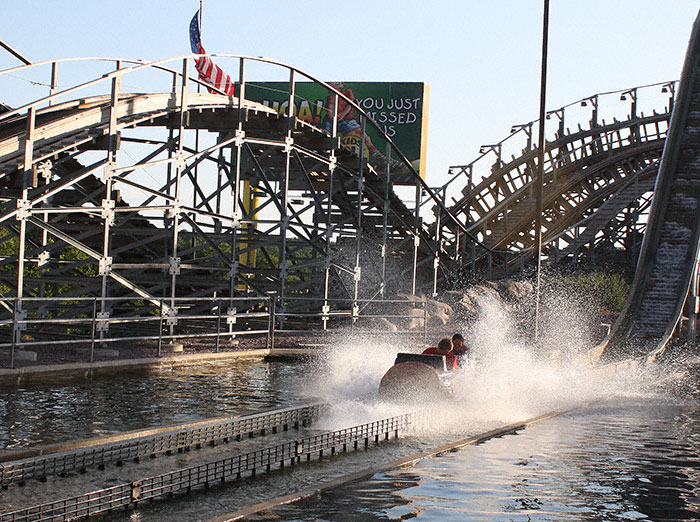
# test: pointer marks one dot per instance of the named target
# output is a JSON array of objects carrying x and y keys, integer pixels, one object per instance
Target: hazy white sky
[{"x": 481, "y": 58}]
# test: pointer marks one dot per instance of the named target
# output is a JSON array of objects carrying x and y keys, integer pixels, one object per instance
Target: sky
[{"x": 480, "y": 58}]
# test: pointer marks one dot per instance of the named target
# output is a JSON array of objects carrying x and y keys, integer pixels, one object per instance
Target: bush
[{"x": 607, "y": 290}]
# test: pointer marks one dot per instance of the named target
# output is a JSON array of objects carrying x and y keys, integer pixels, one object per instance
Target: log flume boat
[{"x": 417, "y": 377}]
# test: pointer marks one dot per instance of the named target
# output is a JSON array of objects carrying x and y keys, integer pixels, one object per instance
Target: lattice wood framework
[{"x": 598, "y": 186}]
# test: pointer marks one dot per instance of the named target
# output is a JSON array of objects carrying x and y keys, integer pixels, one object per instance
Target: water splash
[{"x": 509, "y": 377}]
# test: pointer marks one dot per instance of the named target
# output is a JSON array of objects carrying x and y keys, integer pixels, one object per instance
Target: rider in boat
[{"x": 444, "y": 347}]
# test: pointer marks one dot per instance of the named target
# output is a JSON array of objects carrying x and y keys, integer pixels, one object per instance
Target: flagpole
[{"x": 200, "y": 18}]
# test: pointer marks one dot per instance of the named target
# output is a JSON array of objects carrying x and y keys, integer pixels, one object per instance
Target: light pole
[{"x": 539, "y": 179}]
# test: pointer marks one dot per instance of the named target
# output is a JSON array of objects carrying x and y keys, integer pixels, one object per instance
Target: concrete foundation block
[
  {"x": 99, "y": 352},
  {"x": 25, "y": 355},
  {"x": 105, "y": 352},
  {"x": 173, "y": 348}
]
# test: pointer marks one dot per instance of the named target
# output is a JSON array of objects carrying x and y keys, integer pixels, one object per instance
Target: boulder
[
  {"x": 417, "y": 319},
  {"x": 439, "y": 313},
  {"x": 510, "y": 290}
]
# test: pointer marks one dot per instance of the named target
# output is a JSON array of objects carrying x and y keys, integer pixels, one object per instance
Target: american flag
[{"x": 208, "y": 71}]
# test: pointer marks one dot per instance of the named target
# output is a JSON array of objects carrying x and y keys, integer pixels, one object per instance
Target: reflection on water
[
  {"x": 125, "y": 402},
  {"x": 624, "y": 459}
]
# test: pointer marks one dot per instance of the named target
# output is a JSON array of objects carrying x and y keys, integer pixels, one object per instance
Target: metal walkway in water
[
  {"x": 248, "y": 445},
  {"x": 167, "y": 441},
  {"x": 669, "y": 255},
  {"x": 281, "y": 443}
]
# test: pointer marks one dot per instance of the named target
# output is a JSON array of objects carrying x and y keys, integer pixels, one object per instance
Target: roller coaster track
[
  {"x": 227, "y": 196},
  {"x": 170, "y": 193},
  {"x": 598, "y": 182}
]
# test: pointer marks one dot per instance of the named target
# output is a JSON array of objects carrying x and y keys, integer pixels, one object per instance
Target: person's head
[
  {"x": 444, "y": 346},
  {"x": 458, "y": 343}
]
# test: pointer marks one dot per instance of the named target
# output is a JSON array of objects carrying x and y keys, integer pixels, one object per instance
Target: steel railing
[{"x": 77, "y": 322}]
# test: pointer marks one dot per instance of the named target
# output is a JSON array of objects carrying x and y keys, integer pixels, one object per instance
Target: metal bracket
[
  {"x": 20, "y": 315},
  {"x": 221, "y": 162},
  {"x": 355, "y": 312},
  {"x": 357, "y": 275},
  {"x": 43, "y": 258},
  {"x": 383, "y": 254},
  {"x": 180, "y": 162},
  {"x": 288, "y": 144},
  {"x": 436, "y": 262},
  {"x": 174, "y": 265},
  {"x": 171, "y": 316},
  {"x": 240, "y": 137},
  {"x": 44, "y": 169},
  {"x": 102, "y": 322},
  {"x": 416, "y": 241},
  {"x": 325, "y": 310},
  {"x": 284, "y": 267},
  {"x": 233, "y": 271},
  {"x": 231, "y": 315},
  {"x": 108, "y": 211},
  {"x": 23, "y": 206},
  {"x": 105, "y": 266},
  {"x": 108, "y": 171},
  {"x": 237, "y": 218},
  {"x": 332, "y": 164},
  {"x": 174, "y": 210}
]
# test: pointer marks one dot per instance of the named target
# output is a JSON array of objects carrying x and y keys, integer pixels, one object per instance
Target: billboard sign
[{"x": 399, "y": 108}]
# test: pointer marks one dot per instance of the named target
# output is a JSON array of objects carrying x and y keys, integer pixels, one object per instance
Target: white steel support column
[
  {"x": 45, "y": 170},
  {"x": 329, "y": 208},
  {"x": 284, "y": 217},
  {"x": 235, "y": 213},
  {"x": 385, "y": 219},
  {"x": 179, "y": 168},
  {"x": 22, "y": 214},
  {"x": 236, "y": 185},
  {"x": 416, "y": 237},
  {"x": 438, "y": 244},
  {"x": 357, "y": 275},
  {"x": 105, "y": 267}
]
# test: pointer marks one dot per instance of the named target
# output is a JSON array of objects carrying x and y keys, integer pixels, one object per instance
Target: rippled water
[
  {"x": 628, "y": 458},
  {"x": 54, "y": 413}
]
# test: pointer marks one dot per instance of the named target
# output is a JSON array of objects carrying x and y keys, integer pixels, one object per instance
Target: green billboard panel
[{"x": 399, "y": 108}]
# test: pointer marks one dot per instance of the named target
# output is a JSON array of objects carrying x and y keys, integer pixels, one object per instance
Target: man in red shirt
[
  {"x": 461, "y": 350},
  {"x": 444, "y": 347}
]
